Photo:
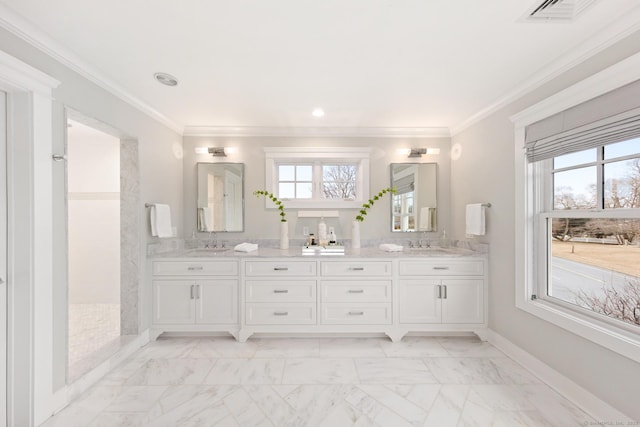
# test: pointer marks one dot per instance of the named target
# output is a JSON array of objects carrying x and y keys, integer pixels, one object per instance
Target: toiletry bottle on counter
[
  {"x": 311, "y": 240},
  {"x": 332, "y": 237},
  {"x": 322, "y": 232}
]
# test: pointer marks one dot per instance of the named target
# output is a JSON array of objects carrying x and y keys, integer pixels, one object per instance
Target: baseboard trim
[
  {"x": 585, "y": 400},
  {"x": 63, "y": 397}
]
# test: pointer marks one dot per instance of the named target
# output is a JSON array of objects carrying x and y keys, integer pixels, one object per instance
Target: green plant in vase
[
  {"x": 369, "y": 203},
  {"x": 275, "y": 200}
]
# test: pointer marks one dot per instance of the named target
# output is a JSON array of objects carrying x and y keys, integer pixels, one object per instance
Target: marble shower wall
[{"x": 129, "y": 237}]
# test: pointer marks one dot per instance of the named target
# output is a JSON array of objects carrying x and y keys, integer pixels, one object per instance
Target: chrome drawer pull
[
  {"x": 356, "y": 291},
  {"x": 281, "y": 291},
  {"x": 356, "y": 268},
  {"x": 281, "y": 268},
  {"x": 191, "y": 292},
  {"x": 445, "y": 292},
  {"x": 280, "y": 313},
  {"x": 195, "y": 268},
  {"x": 440, "y": 268},
  {"x": 356, "y": 313}
]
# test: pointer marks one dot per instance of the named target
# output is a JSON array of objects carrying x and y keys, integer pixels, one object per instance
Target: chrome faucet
[
  {"x": 424, "y": 242},
  {"x": 212, "y": 243}
]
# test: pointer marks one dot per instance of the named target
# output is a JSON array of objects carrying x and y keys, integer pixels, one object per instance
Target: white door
[
  {"x": 217, "y": 301},
  {"x": 174, "y": 302},
  {"x": 462, "y": 301},
  {"x": 3, "y": 259},
  {"x": 420, "y": 301}
]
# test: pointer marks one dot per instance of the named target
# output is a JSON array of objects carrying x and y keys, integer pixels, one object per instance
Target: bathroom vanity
[{"x": 274, "y": 291}]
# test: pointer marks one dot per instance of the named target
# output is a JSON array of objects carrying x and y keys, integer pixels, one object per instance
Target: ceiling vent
[{"x": 557, "y": 10}]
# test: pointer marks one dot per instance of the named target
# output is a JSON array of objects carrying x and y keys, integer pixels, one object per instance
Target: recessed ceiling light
[
  {"x": 166, "y": 79},
  {"x": 318, "y": 112}
]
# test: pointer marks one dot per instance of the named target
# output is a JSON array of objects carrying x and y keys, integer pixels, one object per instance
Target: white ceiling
[{"x": 368, "y": 63}]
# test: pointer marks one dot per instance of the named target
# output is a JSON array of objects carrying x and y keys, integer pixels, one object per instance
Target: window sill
[{"x": 615, "y": 339}]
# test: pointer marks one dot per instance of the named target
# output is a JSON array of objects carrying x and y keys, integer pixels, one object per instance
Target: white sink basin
[
  {"x": 206, "y": 251},
  {"x": 432, "y": 250}
]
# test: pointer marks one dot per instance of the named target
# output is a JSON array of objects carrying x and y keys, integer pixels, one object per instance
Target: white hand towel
[
  {"x": 246, "y": 247},
  {"x": 390, "y": 247},
  {"x": 427, "y": 217},
  {"x": 205, "y": 219},
  {"x": 475, "y": 219},
  {"x": 160, "y": 216}
]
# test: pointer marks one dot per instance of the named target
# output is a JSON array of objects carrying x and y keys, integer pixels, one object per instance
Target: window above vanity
[{"x": 321, "y": 177}]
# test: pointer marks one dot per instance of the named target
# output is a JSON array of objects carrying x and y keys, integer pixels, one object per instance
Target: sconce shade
[
  {"x": 217, "y": 152},
  {"x": 417, "y": 152}
]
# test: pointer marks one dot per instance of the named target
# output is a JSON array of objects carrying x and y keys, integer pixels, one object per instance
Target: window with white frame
[
  {"x": 588, "y": 230},
  {"x": 583, "y": 181},
  {"x": 306, "y": 177}
]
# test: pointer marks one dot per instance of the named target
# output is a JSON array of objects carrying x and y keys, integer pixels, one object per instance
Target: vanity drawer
[
  {"x": 195, "y": 268},
  {"x": 441, "y": 268},
  {"x": 281, "y": 314},
  {"x": 356, "y": 268},
  {"x": 356, "y": 314},
  {"x": 356, "y": 290},
  {"x": 280, "y": 291},
  {"x": 280, "y": 269}
]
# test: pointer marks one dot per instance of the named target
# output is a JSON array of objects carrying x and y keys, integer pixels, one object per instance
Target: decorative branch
[
  {"x": 275, "y": 200},
  {"x": 366, "y": 206}
]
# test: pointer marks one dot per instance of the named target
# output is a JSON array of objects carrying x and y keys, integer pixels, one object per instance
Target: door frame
[{"x": 29, "y": 240}]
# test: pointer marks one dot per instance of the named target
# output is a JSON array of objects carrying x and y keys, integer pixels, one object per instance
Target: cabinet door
[
  {"x": 419, "y": 302},
  {"x": 217, "y": 301},
  {"x": 462, "y": 301},
  {"x": 173, "y": 302}
]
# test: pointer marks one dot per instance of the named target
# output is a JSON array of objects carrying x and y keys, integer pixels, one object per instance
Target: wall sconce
[
  {"x": 418, "y": 152},
  {"x": 214, "y": 151},
  {"x": 217, "y": 151}
]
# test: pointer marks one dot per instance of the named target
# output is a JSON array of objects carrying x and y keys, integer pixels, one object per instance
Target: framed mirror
[
  {"x": 414, "y": 206},
  {"x": 220, "y": 197}
]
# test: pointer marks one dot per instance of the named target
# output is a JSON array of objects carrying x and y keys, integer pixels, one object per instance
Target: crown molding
[
  {"x": 321, "y": 131},
  {"x": 613, "y": 33},
  {"x": 20, "y": 27}
]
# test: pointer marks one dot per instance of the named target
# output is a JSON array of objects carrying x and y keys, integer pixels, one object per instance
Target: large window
[
  {"x": 318, "y": 177},
  {"x": 577, "y": 240},
  {"x": 589, "y": 231}
]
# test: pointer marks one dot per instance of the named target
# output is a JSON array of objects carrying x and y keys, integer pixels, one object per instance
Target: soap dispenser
[
  {"x": 322, "y": 232},
  {"x": 444, "y": 240}
]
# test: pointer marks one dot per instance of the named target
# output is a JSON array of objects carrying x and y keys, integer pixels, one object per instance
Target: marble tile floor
[{"x": 421, "y": 381}]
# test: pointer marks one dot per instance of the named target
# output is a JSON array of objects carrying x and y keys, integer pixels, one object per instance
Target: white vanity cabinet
[
  {"x": 446, "y": 292},
  {"x": 356, "y": 292},
  {"x": 393, "y": 294},
  {"x": 280, "y": 292},
  {"x": 198, "y": 295}
]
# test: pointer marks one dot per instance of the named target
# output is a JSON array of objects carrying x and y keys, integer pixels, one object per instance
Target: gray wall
[
  {"x": 159, "y": 155},
  {"x": 261, "y": 223},
  {"x": 485, "y": 173}
]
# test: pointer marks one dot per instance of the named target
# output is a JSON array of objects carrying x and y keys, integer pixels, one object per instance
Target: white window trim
[
  {"x": 360, "y": 155},
  {"x": 616, "y": 339}
]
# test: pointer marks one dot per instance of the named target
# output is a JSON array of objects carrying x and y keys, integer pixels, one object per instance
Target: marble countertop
[{"x": 296, "y": 252}]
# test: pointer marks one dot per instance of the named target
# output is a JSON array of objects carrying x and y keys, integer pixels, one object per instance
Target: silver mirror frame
[
  {"x": 425, "y": 210},
  {"x": 200, "y": 204}
]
